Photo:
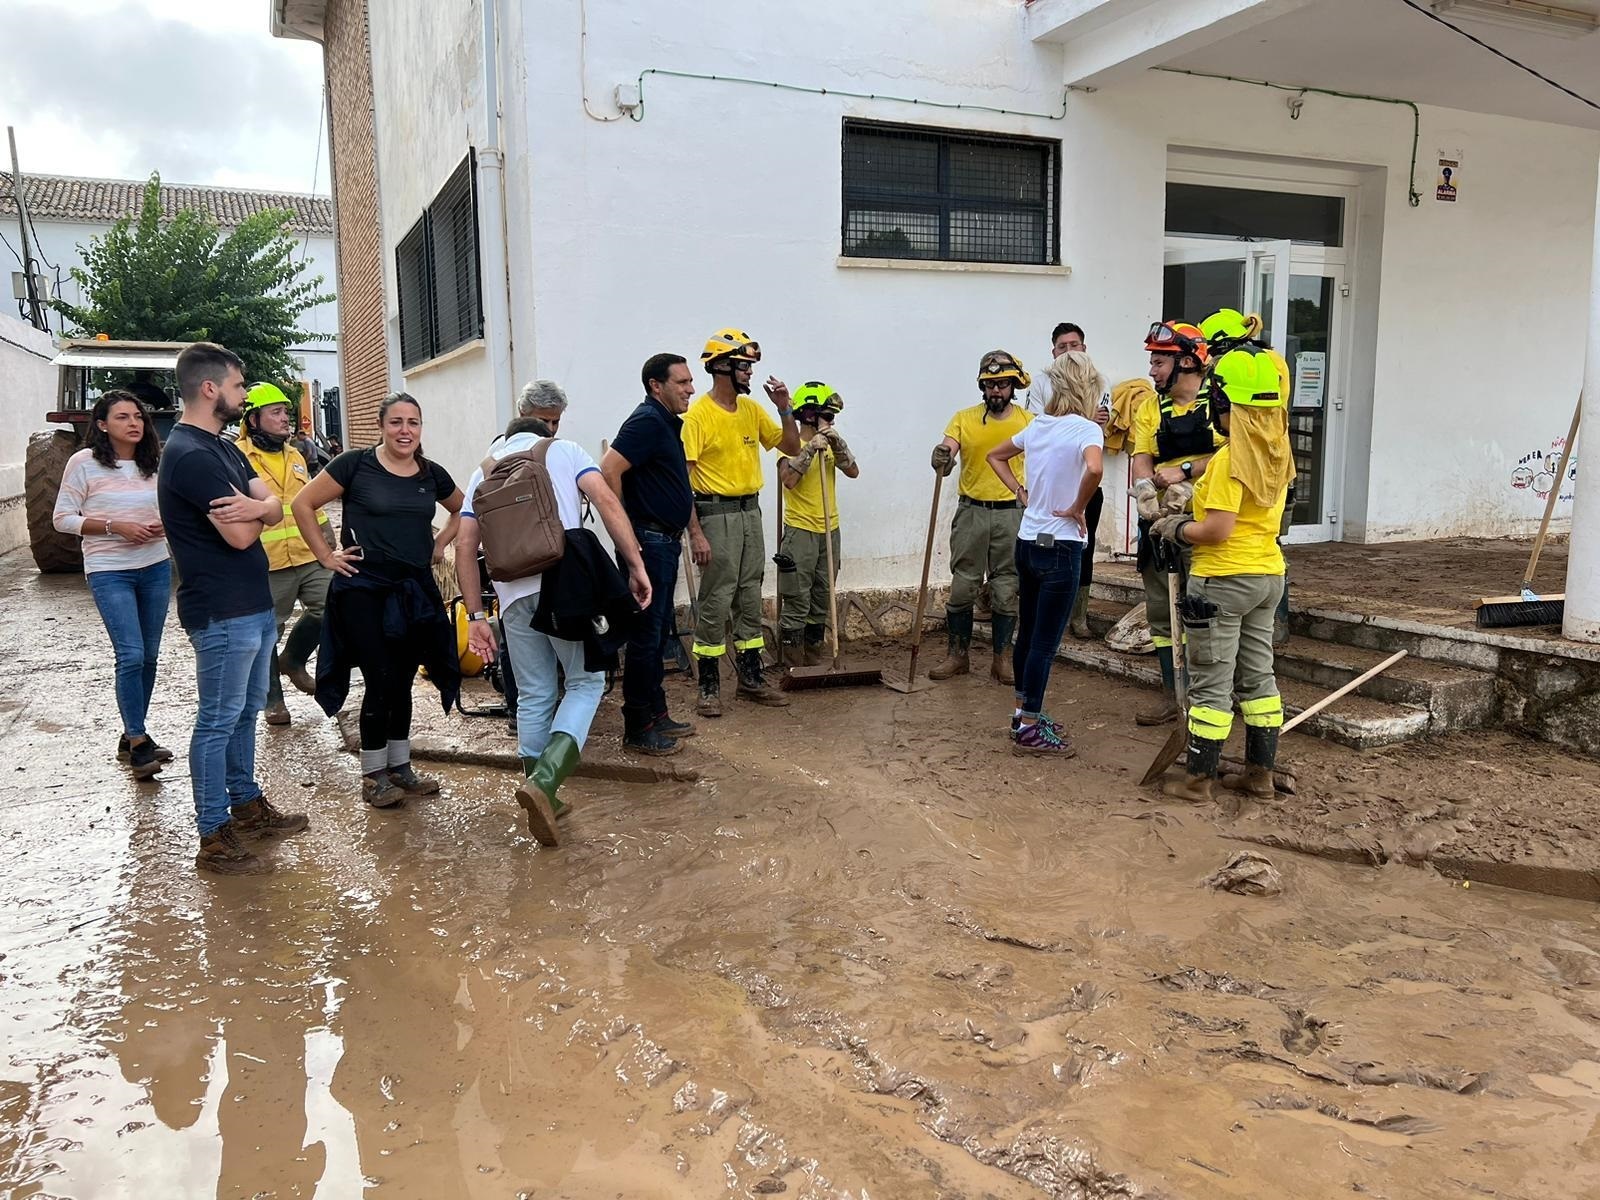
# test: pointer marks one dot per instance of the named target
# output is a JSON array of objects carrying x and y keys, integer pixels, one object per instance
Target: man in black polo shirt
[
  {"x": 214, "y": 507},
  {"x": 646, "y": 467}
]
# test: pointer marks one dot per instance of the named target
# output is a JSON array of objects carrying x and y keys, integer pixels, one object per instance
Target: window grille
[
  {"x": 436, "y": 272},
  {"x": 913, "y": 192}
]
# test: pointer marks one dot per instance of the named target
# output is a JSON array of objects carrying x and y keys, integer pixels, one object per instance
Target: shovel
[
  {"x": 910, "y": 682},
  {"x": 1179, "y": 737},
  {"x": 832, "y": 675}
]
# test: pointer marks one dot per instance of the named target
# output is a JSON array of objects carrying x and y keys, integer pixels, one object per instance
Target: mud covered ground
[{"x": 864, "y": 952}]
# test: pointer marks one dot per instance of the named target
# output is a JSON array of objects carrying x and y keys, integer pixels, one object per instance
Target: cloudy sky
[{"x": 196, "y": 89}]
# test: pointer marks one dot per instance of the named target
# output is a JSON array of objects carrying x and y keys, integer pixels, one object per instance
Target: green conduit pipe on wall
[
  {"x": 817, "y": 91},
  {"x": 1414, "y": 196}
]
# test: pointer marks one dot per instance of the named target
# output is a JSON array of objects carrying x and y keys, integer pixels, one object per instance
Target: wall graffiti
[{"x": 1536, "y": 471}]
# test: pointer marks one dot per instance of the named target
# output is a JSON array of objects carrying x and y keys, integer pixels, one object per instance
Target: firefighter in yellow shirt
[
  {"x": 294, "y": 573},
  {"x": 1236, "y": 576},
  {"x": 802, "y": 556},
  {"x": 983, "y": 535},
  {"x": 1173, "y": 440},
  {"x": 724, "y": 433}
]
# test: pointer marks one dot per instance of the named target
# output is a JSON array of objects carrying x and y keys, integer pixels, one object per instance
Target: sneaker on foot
[
  {"x": 380, "y": 792},
  {"x": 222, "y": 853},
  {"x": 260, "y": 818},
  {"x": 674, "y": 729},
  {"x": 1039, "y": 738},
  {"x": 417, "y": 785},
  {"x": 1055, "y": 727},
  {"x": 652, "y": 742},
  {"x": 142, "y": 759},
  {"x": 277, "y": 713}
]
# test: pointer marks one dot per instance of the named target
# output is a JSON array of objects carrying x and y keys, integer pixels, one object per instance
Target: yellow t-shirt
[
  {"x": 1147, "y": 419},
  {"x": 802, "y": 504},
  {"x": 1253, "y": 548},
  {"x": 977, "y": 437},
  {"x": 724, "y": 448}
]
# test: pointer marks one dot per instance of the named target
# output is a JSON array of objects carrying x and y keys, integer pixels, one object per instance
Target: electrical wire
[
  {"x": 1521, "y": 66},
  {"x": 1414, "y": 196},
  {"x": 24, "y": 349},
  {"x": 638, "y": 115},
  {"x": 583, "y": 66}
]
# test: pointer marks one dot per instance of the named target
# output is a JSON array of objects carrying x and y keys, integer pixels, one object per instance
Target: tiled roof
[{"x": 97, "y": 201}]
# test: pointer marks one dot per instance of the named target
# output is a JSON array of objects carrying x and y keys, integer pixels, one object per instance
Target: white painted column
[{"x": 1582, "y": 622}]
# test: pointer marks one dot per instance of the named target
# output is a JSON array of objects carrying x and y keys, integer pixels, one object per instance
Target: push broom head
[
  {"x": 801, "y": 679},
  {"x": 1509, "y": 612}
]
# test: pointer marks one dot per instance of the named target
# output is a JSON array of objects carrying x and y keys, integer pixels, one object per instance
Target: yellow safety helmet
[
  {"x": 818, "y": 395},
  {"x": 729, "y": 346},
  {"x": 471, "y": 664},
  {"x": 1251, "y": 378},
  {"x": 264, "y": 395},
  {"x": 1002, "y": 364}
]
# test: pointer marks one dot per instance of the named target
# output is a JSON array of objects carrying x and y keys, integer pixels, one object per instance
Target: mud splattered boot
[
  {"x": 1003, "y": 625},
  {"x": 260, "y": 818},
  {"x": 1078, "y": 625},
  {"x": 222, "y": 853},
  {"x": 957, "y": 661},
  {"x": 710, "y": 702},
  {"x": 1165, "y": 710},
  {"x": 543, "y": 777},
  {"x": 1260, "y": 753},
  {"x": 752, "y": 685},
  {"x": 1199, "y": 773},
  {"x": 816, "y": 655}
]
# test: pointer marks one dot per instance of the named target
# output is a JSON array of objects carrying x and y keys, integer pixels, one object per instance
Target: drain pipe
[{"x": 494, "y": 277}]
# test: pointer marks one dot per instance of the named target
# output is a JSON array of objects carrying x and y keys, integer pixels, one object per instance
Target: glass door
[{"x": 1316, "y": 400}]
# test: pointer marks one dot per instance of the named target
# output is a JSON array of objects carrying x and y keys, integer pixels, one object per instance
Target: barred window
[
  {"x": 918, "y": 193},
  {"x": 436, "y": 272}
]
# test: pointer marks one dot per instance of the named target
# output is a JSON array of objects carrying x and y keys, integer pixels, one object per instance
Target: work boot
[
  {"x": 161, "y": 752},
  {"x": 142, "y": 760},
  {"x": 259, "y": 818},
  {"x": 1260, "y": 753},
  {"x": 1001, "y": 627},
  {"x": 1200, "y": 771},
  {"x": 1078, "y": 625},
  {"x": 380, "y": 792},
  {"x": 710, "y": 702},
  {"x": 222, "y": 853},
  {"x": 816, "y": 654},
  {"x": 406, "y": 778},
  {"x": 543, "y": 777},
  {"x": 278, "y": 712},
  {"x": 1165, "y": 710},
  {"x": 643, "y": 736},
  {"x": 957, "y": 660},
  {"x": 791, "y": 652},
  {"x": 747, "y": 665},
  {"x": 674, "y": 729}
]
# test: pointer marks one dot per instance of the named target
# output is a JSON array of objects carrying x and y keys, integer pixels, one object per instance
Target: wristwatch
[
  {"x": 478, "y": 616},
  {"x": 1188, "y": 470}
]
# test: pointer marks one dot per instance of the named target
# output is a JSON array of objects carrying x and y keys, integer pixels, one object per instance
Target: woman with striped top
[{"x": 108, "y": 498}]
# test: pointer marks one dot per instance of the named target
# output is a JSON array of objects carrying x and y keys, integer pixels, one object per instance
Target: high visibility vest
[{"x": 285, "y": 474}]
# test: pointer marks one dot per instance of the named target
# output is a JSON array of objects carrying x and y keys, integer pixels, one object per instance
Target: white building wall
[
  {"x": 27, "y": 392},
  {"x": 721, "y": 206},
  {"x": 60, "y": 243}
]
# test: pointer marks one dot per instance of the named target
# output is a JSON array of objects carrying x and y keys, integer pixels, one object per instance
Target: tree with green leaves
[{"x": 183, "y": 281}]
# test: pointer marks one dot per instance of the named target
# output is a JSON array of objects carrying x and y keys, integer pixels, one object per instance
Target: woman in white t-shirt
[
  {"x": 108, "y": 498},
  {"x": 1064, "y": 450}
]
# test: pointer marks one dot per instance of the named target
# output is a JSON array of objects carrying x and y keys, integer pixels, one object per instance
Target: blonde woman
[{"x": 1064, "y": 448}]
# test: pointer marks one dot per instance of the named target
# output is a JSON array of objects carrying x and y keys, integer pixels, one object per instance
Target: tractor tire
[{"x": 54, "y": 551}]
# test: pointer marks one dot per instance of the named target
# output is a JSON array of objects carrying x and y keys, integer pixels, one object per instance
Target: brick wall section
[{"x": 347, "y": 62}]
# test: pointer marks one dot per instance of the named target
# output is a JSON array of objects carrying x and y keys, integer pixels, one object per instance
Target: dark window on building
[
  {"x": 436, "y": 272},
  {"x": 918, "y": 193},
  {"x": 1248, "y": 214}
]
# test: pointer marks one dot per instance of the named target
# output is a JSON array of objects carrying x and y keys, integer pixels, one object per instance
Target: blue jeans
[
  {"x": 643, "y": 697},
  {"x": 133, "y": 604},
  {"x": 1047, "y": 584},
  {"x": 545, "y": 704},
  {"x": 232, "y": 658}
]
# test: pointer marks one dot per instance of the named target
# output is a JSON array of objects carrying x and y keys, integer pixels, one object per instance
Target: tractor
[{"x": 86, "y": 369}]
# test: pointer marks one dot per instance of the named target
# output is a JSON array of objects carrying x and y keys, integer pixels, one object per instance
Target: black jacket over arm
[{"x": 584, "y": 598}]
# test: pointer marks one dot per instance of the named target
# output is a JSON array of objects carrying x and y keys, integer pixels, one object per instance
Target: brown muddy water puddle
[{"x": 842, "y": 970}]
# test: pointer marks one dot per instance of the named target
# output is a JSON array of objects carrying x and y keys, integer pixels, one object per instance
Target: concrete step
[
  {"x": 1358, "y": 721},
  {"x": 1454, "y": 697}
]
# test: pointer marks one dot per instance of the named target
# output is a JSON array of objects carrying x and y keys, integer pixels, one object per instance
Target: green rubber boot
[{"x": 543, "y": 777}]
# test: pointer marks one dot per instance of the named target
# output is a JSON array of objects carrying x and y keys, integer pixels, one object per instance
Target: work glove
[
  {"x": 1147, "y": 499},
  {"x": 818, "y": 442},
  {"x": 1177, "y": 498},
  {"x": 841, "y": 451},
  {"x": 801, "y": 463},
  {"x": 1168, "y": 528},
  {"x": 943, "y": 460}
]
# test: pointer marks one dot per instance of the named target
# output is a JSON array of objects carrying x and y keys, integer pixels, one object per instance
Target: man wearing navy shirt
[
  {"x": 214, "y": 508},
  {"x": 645, "y": 465}
]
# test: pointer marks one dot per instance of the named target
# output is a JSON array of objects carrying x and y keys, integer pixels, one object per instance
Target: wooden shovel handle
[
  {"x": 1345, "y": 690},
  {"x": 922, "y": 589},
  {"x": 1555, "y": 491}
]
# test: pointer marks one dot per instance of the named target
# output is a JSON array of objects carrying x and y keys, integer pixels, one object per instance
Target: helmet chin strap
[{"x": 260, "y": 438}]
